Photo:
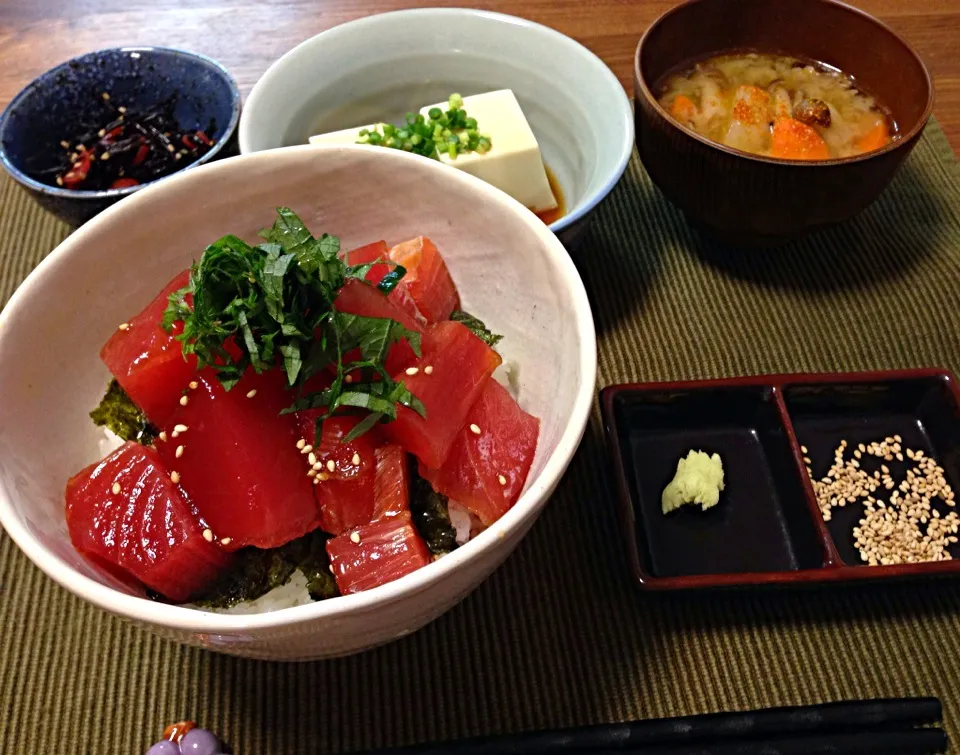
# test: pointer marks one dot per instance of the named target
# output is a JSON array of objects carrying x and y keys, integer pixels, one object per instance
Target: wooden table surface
[{"x": 247, "y": 35}]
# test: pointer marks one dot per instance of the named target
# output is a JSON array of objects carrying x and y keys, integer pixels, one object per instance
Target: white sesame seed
[
  {"x": 59, "y": 181},
  {"x": 354, "y": 537},
  {"x": 474, "y": 429},
  {"x": 316, "y": 480},
  {"x": 412, "y": 370},
  {"x": 251, "y": 393},
  {"x": 501, "y": 479},
  {"x": 102, "y": 132},
  {"x": 226, "y": 541},
  {"x": 323, "y": 477},
  {"x": 194, "y": 385},
  {"x": 171, "y": 148},
  {"x": 301, "y": 443},
  {"x": 122, "y": 109},
  {"x": 331, "y": 466},
  {"x": 179, "y": 428},
  {"x": 163, "y": 435},
  {"x": 208, "y": 535},
  {"x": 65, "y": 144},
  {"x": 356, "y": 460},
  {"x": 306, "y": 449},
  {"x": 106, "y": 96},
  {"x": 105, "y": 156},
  {"x": 115, "y": 488},
  {"x": 184, "y": 401},
  {"x": 174, "y": 477},
  {"x": 123, "y": 326},
  {"x": 311, "y": 458},
  {"x": 312, "y": 473},
  {"x": 179, "y": 452},
  {"x": 803, "y": 450},
  {"x": 428, "y": 369}
]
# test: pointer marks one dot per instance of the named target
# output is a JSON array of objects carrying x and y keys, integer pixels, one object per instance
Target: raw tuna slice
[
  {"x": 400, "y": 296},
  {"x": 345, "y": 472},
  {"x": 427, "y": 278},
  {"x": 239, "y": 464},
  {"x": 359, "y": 298},
  {"x": 450, "y": 376},
  {"x": 376, "y": 553},
  {"x": 147, "y": 361},
  {"x": 486, "y": 471},
  {"x": 124, "y": 513},
  {"x": 391, "y": 483}
]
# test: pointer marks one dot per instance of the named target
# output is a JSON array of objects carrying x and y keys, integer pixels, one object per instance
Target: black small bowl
[{"x": 54, "y": 105}]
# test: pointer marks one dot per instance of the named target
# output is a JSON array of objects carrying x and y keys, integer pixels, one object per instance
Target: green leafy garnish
[
  {"x": 255, "y": 572},
  {"x": 477, "y": 326},
  {"x": 451, "y": 132},
  {"x": 432, "y": 517},
  {"x": 272, "y": 305},
  {"x": 122, "y": 417}
]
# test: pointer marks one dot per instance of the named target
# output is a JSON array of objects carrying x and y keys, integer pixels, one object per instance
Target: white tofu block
[
  {"x": 345, "y": 136},
  {"x": 514, "y": 163}
]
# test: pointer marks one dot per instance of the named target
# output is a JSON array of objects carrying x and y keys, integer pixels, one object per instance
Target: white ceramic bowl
[
  {"x": 510, "y": 270},
  {"x": 380, "y": 67}
]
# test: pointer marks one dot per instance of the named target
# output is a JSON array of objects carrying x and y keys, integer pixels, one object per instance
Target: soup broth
[{"x": 777, "y": 106}]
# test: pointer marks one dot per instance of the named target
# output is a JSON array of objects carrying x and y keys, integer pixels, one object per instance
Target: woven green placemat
[{"x": 559, "y": 636}]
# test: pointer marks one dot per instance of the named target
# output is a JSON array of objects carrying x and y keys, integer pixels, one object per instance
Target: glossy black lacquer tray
[{"x": 768, "y": 528}]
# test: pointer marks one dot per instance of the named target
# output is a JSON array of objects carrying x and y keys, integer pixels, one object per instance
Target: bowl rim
[
  {"x": 603, "y": 71},
  {"x": 533, "y": 499},
  {"x": 641, "y": 86},
  {"x": 83, "y": 195}
]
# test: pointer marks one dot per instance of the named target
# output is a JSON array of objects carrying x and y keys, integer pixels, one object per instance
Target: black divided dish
[{"x": 767, "y": 528}]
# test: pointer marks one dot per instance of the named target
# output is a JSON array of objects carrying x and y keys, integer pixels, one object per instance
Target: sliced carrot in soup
[{"x": 793, "y": 140}]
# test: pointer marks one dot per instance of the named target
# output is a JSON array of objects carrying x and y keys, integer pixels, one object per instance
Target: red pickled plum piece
[
  {"x": 391, "y": 482},
  {"x": 124, "y": 512},
  {"x": 239, "y": 464},
  {"x": 345, "y": 477},
  {"x": 453, "y": 371},
  {"x": 147, "y": 361},
  {"x": 486, "y": 470},
  {"x": 427, "y": 279},
  {"x": 377, "y": 553}
]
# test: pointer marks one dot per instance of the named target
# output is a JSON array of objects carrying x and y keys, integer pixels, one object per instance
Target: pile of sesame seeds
[{"x": 904, "y": 528}]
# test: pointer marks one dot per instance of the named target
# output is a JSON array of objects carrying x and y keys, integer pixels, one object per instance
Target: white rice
[
  {"x": 293, "y": 593},
  {"x": 109, "y": 442}
]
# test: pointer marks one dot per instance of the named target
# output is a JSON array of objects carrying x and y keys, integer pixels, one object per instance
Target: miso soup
[{"x": 777, "y": 106}]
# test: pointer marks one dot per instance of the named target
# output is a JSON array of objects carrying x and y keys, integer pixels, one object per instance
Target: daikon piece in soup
[{"x": 777, "y": 106}]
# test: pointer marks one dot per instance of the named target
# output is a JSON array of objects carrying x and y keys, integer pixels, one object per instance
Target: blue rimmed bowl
[
  {"x": 574, "y": 103},
  {"x": 56, "y": 105}
]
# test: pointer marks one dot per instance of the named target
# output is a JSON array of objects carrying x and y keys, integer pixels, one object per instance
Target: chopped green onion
[{"x": 452, "y": 129}]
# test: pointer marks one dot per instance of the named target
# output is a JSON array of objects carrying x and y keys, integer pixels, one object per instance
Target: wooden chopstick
[{"x": 861, "y": 718}]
